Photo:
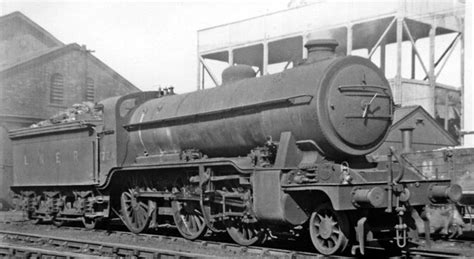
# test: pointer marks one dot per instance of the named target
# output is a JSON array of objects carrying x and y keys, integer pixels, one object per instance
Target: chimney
[
  {"x": 321, "y": 49},
  {"x": 407, "y": 139}
]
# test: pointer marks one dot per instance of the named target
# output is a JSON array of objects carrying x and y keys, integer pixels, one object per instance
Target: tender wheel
[
  {"x": 90, "y": 223},
  {"x": 188, "y": 219},
  {"x": 135, "y": 213},
  {"x": 58, "y": 222},
  {"x": 37, "y": 221},
  {"x": 328, "y": 230},
  {"x": 33, "y": 218},
  {"x": 246, "y": 234}
]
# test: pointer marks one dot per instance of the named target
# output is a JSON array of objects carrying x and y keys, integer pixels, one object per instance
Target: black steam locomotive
[{"x": 257, "y": 157}]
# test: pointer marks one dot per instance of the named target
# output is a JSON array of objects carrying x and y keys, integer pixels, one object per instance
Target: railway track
[
  {"x": 21, "y": 243},
  {"x": 70, "y": 247}
]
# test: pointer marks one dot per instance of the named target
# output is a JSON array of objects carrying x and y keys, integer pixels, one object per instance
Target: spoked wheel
[
  {"x": 58, "y": 222},
  {"x": 136, "y": 214},
  {"x": 246, "y": 234},
  {"x": 188, "y": 219},
  {"x": 33, "y": 218},
  {"x": 37, "y": 220},
  {"x": 329, "y": 230}
]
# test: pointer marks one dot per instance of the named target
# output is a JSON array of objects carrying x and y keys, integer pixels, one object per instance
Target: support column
[
  {"x": 468, "y": 87},
  {"x": 462, "y": 67},
  {"x": 382, "y": 56},
  {"x": 431, "y": 73},
  {"x": 231, "y": 57},
  {"x": 200, "y": 85},
  {"x": 413, "y": 62},
  {"x": 446, "y": 110},
  {"x": 398, "y": 76},
  {"x": 304, "y": 50},
  {"x": 349, "y": 40},
  {"x": 265, "y": 58},
  {"x": 203, "y": 76}
]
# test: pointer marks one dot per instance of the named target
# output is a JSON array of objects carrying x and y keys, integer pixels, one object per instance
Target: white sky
[
  {"x": 153, "y": 43},
  {"x": 150, "y": 43}
]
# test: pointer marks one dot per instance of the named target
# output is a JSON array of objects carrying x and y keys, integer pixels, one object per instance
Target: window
[
  {"x": 90, "y": 89},
  {"x": 56, "y": 95}
]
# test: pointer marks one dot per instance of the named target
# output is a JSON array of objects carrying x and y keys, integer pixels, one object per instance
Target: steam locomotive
[{"x": 257, "y": 157}]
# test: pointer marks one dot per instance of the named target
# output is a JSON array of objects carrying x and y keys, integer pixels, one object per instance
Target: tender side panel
[{"x": 64, "y": 159}]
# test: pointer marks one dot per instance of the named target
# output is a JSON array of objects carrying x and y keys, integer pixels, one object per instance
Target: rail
[{"x": 93, "y": 248}]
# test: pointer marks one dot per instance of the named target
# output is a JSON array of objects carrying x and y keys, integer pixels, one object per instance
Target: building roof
[
  {"x": 404, "y": 113},
  {"x": 27, "y": 21},
  {"x": 57, "y": 52},
  {"x": 56, "y": 49}
]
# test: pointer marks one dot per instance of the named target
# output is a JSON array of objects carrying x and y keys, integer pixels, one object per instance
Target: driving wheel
[
  {"x": 136, "y": 213},
  {"x": 188, "y": 219}
]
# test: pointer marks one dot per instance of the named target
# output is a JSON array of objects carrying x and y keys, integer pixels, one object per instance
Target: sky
[
  {"x": 154, "y": 43},
  {"x": 150, "y": 43}
]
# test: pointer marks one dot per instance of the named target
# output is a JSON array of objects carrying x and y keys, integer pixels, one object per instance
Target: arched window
[
  {"x": 56, "y": 94},
  {"x": 90, "y": 90}
]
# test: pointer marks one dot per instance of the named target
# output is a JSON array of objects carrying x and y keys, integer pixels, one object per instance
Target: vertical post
[
  {"x": 446, "y": 110},
  {"x": 398, "y": 77},
  {"x": 304, "y": 50},
  {"x": 200, "y": 85},
  {"x": 198, "y": 77},
  {"x": 468, "y": 96},
  {"x": 382, "y": 55},
  {"x": 432, "y": 80},
  {"x": 231, "y": 57},
  {"x": 461, "y": 58},
  {"x": 265, "y": 58},
  {"x": 413, "y": 62},
  {"x": 349, "y": 40},
  {"x": 203, "y": 77}
]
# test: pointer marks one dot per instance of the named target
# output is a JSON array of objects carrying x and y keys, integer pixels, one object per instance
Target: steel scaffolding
[{"x": 278, "y": 38}]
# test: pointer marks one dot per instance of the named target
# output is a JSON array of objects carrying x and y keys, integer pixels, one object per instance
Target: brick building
[{"x": 40, "y": 76}]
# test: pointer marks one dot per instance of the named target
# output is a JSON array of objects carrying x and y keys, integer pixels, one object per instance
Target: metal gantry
[{"x": 274, "y": 42}]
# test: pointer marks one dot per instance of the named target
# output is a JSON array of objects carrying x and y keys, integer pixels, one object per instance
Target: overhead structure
[{"x": 274, "y": 42}]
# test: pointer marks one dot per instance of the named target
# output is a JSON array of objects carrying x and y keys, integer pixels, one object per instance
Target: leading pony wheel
[
  {"x": 329, "y": 230},
  {"x": 246, "y": 234}
]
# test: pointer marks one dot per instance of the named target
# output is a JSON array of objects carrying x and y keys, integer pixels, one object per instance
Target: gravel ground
[{"x": 14, "y": 221}]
